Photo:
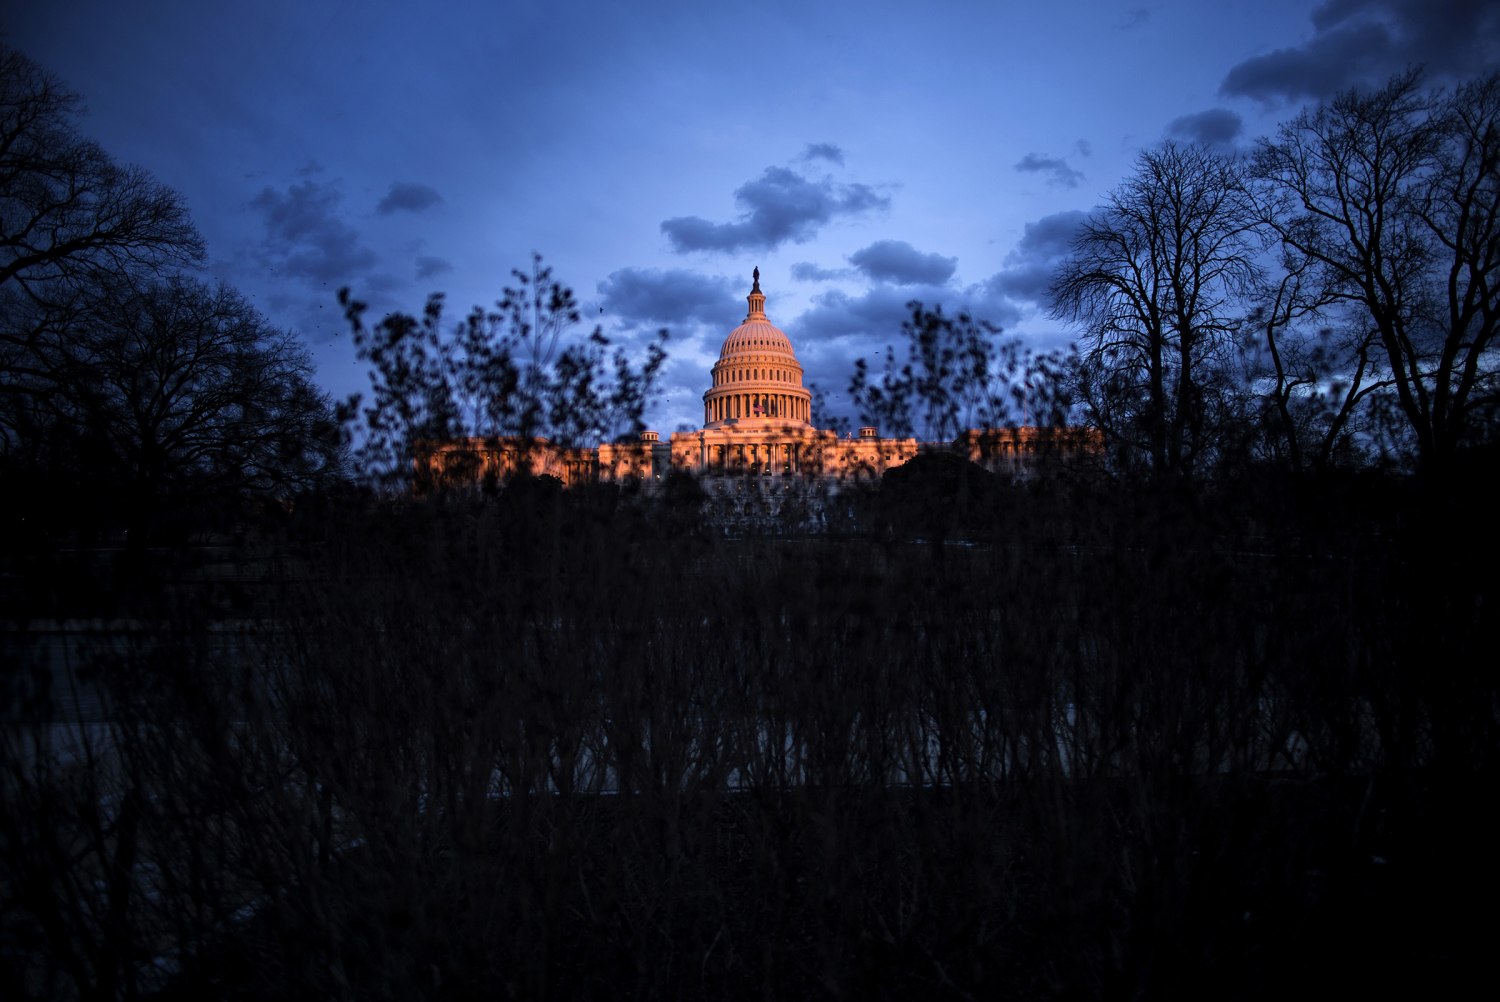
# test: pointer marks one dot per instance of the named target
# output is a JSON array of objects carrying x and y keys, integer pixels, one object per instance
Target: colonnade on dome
[{"x": 731, "y": 406}]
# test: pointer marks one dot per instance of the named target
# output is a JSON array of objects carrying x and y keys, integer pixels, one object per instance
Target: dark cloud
[
  {"x": 899, "y": 262},
  {"x": 874, "y": 318},
  {"x": 1083, "y": 148},
  {"x": 672, "y": 298},
  {"x": 1058, "y": 169},
  {"x": 407, "y": 196},
  {"x": 806, "y": 271},
  {"x": 840, "y": 328},
  {"x": 697, "y": 309},
  {"x": 1214, "y": 127},
  {"x": 780, "y": 205},
  {"x": 824, "y": 151},
  {"x": 428, "y": 267},
  {"x": 1361, "y": 42},
  {"x": 1029, "y": 268},
  {"x": 306, "y": 239},
  {"x": 1135, "y": 17},
  {"x": 314, "y": 312},
  {"x": 833, "y": 335}
]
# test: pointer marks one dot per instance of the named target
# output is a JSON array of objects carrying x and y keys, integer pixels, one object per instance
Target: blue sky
[{"x": 861, "y": 154}]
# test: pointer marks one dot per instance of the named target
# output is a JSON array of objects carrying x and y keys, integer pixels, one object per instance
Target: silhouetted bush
[{"x": 1129, "y": 740}]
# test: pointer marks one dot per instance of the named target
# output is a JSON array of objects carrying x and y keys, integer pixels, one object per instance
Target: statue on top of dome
[{"x": 756, "y": 275}]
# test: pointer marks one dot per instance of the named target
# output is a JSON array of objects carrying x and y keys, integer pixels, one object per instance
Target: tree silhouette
[
  {"x": 958, "y": 373},
  {"x": 1314, "y": 360},
  {"x": 1155, "y": 280},
  {"x": 70, "y": 217},
  {"x": 496, "y": 375},
  {"x": 195, "y": 394},
  {"x": 1393, "y": 196},
  {"x": 121, "y": 377}
]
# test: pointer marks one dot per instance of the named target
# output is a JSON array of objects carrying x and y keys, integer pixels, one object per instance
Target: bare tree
[
  {"x": 1155, "y": 281},
  {"x": 497, "y": 374},
  {"x": 117, "y": 373},
  {"x": 1393, "y": 197},
  {"x": 186, "y": 393},
  {"x": 1310, "y": 360},
  {"x": 958, "y": 373},
  {"x": 69, "y": 214}
]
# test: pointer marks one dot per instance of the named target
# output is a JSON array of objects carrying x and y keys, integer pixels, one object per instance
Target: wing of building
[{"x": 757, "y": 440}]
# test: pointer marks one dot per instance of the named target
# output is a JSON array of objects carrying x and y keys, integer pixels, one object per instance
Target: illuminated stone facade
[{"x": 757, "y": 448}]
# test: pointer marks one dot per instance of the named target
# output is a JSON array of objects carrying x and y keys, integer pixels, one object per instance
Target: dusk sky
[{"x": 861, "y": 154}]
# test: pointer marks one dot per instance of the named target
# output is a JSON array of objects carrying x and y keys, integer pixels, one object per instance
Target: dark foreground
[{"x": 545, "y": 746}]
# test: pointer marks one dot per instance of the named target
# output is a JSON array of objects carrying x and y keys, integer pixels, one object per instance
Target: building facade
[{"x": 757, "y": 441}]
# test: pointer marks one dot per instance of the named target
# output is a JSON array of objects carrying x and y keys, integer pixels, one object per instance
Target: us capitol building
[{"x": 757, "y": 449}]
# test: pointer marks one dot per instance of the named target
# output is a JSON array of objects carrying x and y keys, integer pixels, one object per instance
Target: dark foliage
[
  {"x": 70, "y": 217},
  {"x": 1332, "y": 302},
  {"x": 1127, "y": 741},
  {"x": 1391, "y": 201},
  {"x": 131, "y": 396},
  {"x": 1156, "y": 280},
  {"x": 167, "y": 397},
  {"x": 959, "y": 373},
  {"x": 503, "y": 374},
  {"x": 935, "y": 495}
]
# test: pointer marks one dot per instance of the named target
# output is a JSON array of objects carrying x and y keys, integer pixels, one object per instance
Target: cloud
[
  {"x": 306, "y": 239},
  {"x": 873, "y": 319},
  {"x": 1136, "y": 17},
  {"x": 672, "y": 298},
  {"x": 698, "y": 309},
  {"x": 779, "y": 206},
  {"x": 1362, "y": 42},
  {"x": 1083, "y": 148},
  {"x": 899, "y": 262},
  {"x": 806, "y": 271},
  {"x": 839, "y": 328},
  {"x": 823, "y": 151},
  {"x": 408, "y": 196},
  {"x": 1061, "y": 174},
  {"x": 1045, "y": 244},
  {"x": 428, "y": 267},
  {"x": 1214, "y": 127}
]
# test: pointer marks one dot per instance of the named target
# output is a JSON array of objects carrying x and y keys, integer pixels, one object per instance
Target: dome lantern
[{"x": 757, "y": 300}]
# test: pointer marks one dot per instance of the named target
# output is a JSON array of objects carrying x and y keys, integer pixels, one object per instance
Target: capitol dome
[{"x": 757, "y": 376}]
